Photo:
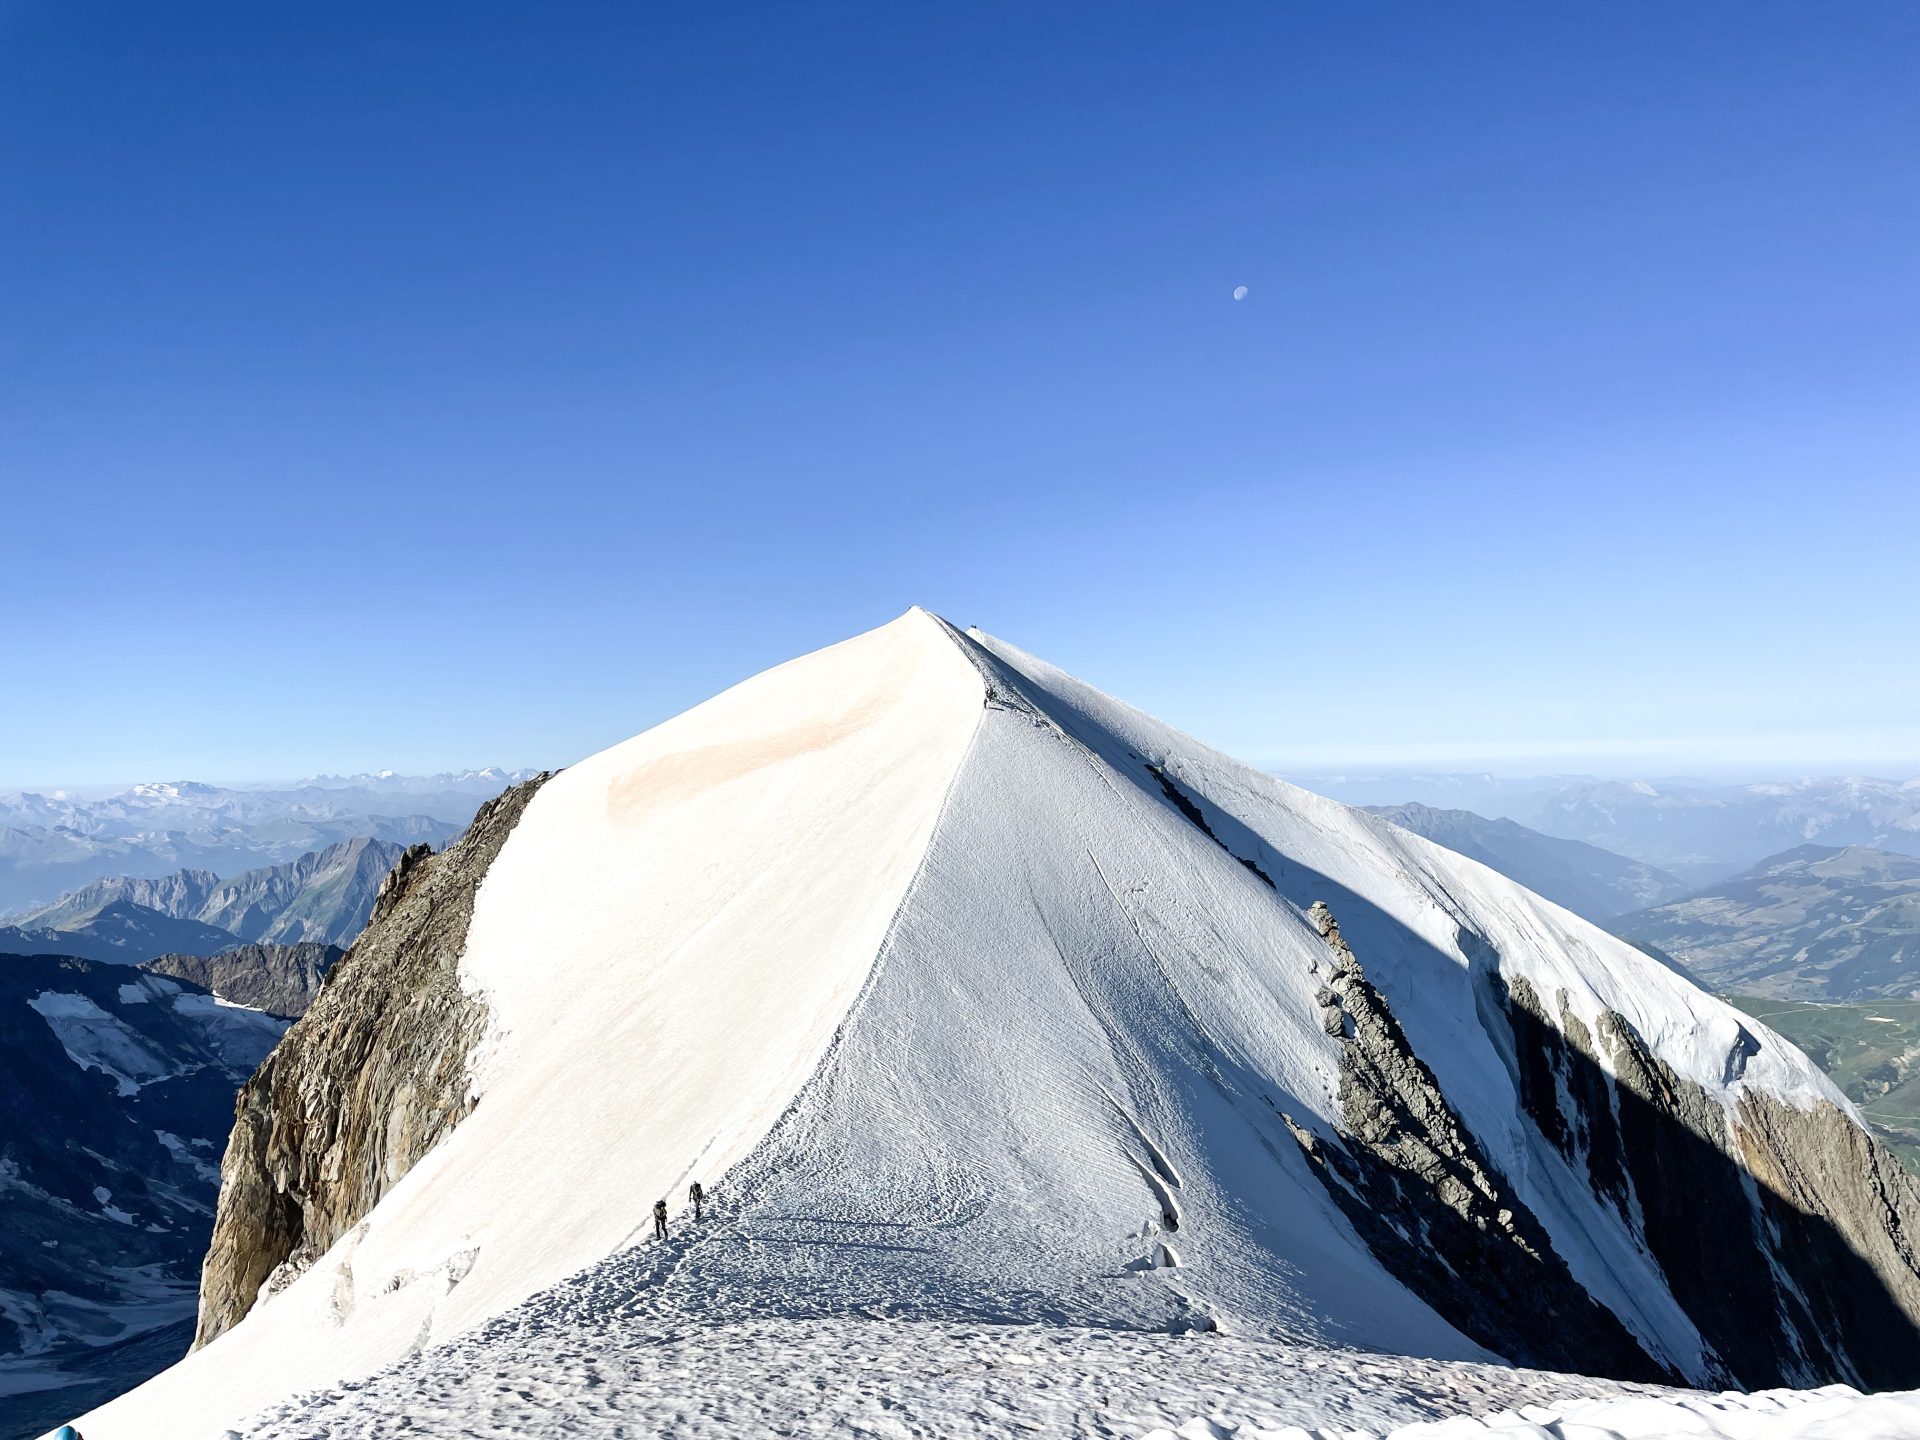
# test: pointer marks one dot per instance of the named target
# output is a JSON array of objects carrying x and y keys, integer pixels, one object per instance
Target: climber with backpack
[
  {"x": 696, "y": 1195},
  {"x": 659, "y": 1219}
]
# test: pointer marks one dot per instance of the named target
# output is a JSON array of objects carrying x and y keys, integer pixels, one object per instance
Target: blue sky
[{"x": 426, "y": 385}]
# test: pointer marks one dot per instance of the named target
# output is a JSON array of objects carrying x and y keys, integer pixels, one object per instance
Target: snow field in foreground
[
  {"x": 1837, "y": 1412},
  {"x": 857, "y": 1377}
]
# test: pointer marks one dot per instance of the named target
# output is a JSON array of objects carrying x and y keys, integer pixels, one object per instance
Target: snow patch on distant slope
[
  {"x": 96, "y": 1039},
  {"x": 239, "y": 1034}
]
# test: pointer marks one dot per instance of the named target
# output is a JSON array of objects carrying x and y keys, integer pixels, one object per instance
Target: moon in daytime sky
[{"x": 1239, "y": 292}]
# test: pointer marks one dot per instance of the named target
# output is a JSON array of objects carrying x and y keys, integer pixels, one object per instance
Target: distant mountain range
[
  {"x": 117, "y": 933},
  {"x": 1589, "y": 881},
  {"x": 1704, "y": 833},
  {"x": 55, "y": 841},
  {"x": 1697, "y": 830},
  {"x": 385, "y": 787},
  {"x": 324, "y": 896},
  {"x": 118, "y": 1067},
  {"x": 322, "y": 899},
  {"x": 1510, "y": 797},
  {"x": 130, "y": 1010},
  {"x": 1815, "y": 923},
  {"x": 1821, "y": 942}
]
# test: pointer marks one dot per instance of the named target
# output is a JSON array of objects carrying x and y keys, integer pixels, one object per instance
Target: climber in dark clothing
[
  {"x": 696, "y": 1195},
  {"x": 659, "y": 1219}
]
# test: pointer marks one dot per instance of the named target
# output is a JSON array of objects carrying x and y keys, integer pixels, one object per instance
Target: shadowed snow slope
[{"x": 978, "y": 996}]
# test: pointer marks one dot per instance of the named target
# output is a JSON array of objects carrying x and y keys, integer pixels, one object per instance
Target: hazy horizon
[{"x": 1303, "y": 774}]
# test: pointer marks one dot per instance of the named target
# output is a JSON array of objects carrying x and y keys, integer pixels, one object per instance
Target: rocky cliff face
[
  {"x": 1786, "y": 1234},
  {"x": 1413, "y": 1182},
  {"x": 366, "y": 1083},
  {"x": 279, "y": 979}
]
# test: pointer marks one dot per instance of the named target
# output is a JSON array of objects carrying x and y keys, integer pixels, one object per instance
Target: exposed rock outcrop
[
  {"x": 364, "y": 1084},
  {"x": 279, "y": 979},
  {"x": 1184, "y": 803},
  {"x": 1414, "y": 1183},
  {"x": 1786, "y": 1234}
]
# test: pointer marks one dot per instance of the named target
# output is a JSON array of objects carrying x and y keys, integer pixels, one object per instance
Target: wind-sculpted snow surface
[
  {"x": 1833, "y": 1412},
  {"x": 984, "y": 1000}
]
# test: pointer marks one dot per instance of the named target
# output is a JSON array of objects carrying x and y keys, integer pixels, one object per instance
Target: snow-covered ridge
[
  {"x": 1438, "y": 893},
  {"x": 749, "y": 855},
  {"x": 983, "y": 998},
  {"x": 666, "y": 945}
]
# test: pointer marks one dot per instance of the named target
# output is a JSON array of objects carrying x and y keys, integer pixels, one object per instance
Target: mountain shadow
[{"x": 1782, "y": 1233}]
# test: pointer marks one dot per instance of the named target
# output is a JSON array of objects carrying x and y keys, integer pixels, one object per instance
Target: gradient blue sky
[{"x": 423, "y": 385}]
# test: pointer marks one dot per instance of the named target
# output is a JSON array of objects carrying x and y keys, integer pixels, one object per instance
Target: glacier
[{"x": 987, "y": 1006}]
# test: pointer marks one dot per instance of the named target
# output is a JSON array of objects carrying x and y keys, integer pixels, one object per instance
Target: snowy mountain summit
[{"x": 975, "y": 997}]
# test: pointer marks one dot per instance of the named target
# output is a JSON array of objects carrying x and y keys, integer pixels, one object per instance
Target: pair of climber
[{"x": 694, "y": 1195}]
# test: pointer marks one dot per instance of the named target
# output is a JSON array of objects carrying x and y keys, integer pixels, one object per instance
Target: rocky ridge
[
  {"x": 1783, "y": 1232},
  {"x": 1410, "y": 1178},
  {"x": 279, "y": 979},
  {"x": 367, "y": 1081}
]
